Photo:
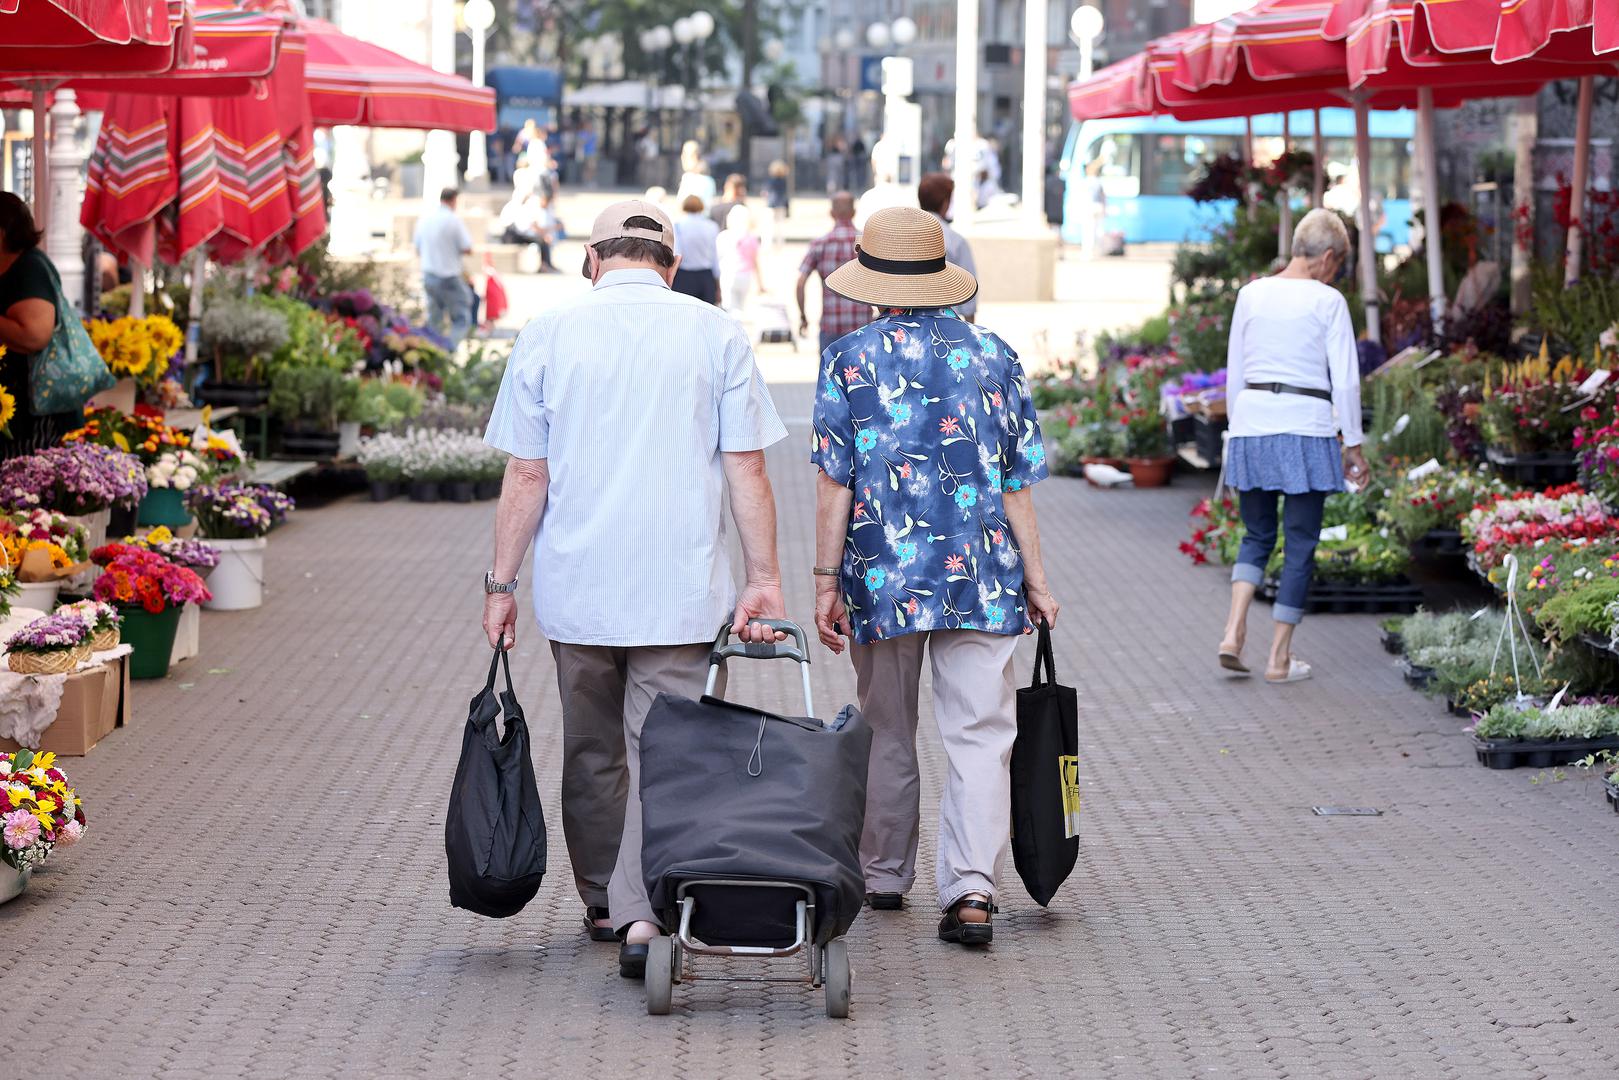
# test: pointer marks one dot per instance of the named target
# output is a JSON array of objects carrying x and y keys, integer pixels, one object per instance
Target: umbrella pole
[
  {"x": 1368, "y": 246},
  {"x": 1248, "y": 161},
  {"x": 1432, "y": 240},
  {"x": 1576, "y": 201},
  {"x": 42, "y": 179},
  {"x": 1527, "y": 122},
  {"x": 1319, "y": 188},
  {"x": 1284, "y": 204},
  {"x": 199, "y": 268}
]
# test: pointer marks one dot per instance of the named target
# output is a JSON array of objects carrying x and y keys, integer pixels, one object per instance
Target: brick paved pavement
[{"x": 298, "y": 926}]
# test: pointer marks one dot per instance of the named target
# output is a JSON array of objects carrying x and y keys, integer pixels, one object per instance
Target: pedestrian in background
[
  {"x": 441, "y": 241},
  {"x": 735, "y": 193},
  {"x": 1293, "y": 374},
  {"x": 927, "y": 543},
  {"x": 694, "y": 177},
  {"x": 695, "y": 243},
  {"x": 631, "y": 558},
  {"x": 738, "y": 253},
  {"x": 779, "y": 200},
  {"x": 27, "y": 321},
  {"x": 933, "y": 195},
  {"x": 826, "y": 253}
]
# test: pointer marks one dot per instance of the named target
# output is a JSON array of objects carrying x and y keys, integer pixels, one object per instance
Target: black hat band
[{"x": 906, "y": 267}]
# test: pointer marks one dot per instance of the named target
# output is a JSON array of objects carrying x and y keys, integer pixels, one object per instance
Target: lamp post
[
  {"x": 439, "y": 156},
  {"x": 479, "y": 16},
  {"x": 1036, "y": 29},
  {"x": 1085, "y": 27},
  {"x": 690, "y": 31}
]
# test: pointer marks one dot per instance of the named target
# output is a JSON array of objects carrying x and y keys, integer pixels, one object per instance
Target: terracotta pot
[{"x": 1151, "y": 472}]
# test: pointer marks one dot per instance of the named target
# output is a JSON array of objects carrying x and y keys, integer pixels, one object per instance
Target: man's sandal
[{"x": 956, "y": 932}]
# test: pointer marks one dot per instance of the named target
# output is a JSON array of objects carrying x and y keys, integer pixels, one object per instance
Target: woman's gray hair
[{"x": 1319, "y": 232}]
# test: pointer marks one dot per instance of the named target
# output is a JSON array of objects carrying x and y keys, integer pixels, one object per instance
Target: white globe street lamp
[
  {"x": 903, "y": 31},
  {"x": 775, "y": 50},
  {"x": 1086, "y": 26},
  {"x": 478, "y": 16},
  {"x": 844, "y": 39},
  {"x": 702, "y": 24},
  {"x": 685, "y": 33},
  {"x": 877, "y": 35}
]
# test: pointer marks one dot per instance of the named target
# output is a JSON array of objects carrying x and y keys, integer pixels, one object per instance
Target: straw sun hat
[{"x": 900, "y": 262}]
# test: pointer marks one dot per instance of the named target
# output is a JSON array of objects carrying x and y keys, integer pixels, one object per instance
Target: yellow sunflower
[{"x": 8, "y": 406}]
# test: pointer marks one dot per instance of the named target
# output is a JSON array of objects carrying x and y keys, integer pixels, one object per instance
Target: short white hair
[{"x": 1319, "y": 232}]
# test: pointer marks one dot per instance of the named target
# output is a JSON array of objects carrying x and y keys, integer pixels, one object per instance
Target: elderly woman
[
  {"x": 926, "y": 540},
  {"x": 1294, "y": 380}
]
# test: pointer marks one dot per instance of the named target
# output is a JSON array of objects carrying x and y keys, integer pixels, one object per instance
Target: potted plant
[
  {"x": 241, "y": 335},
  {"x": 491, "y": 470},
  {"x": 308, "y": 402},
  {"x": 42, "y": 548},
  {"x": 198, "y": 556},
  {"x": 236, "y": 520},
  {"x": 1147, "y": 449},
  {"x": 149, "y": 592},
  {"x": 78, "y": 479},
  {"x": 39, "y": 812},
  {"x": 461, "y": 468},
  {"x": 52, "y": 645},
  {"x": 381, "y": 456},
  {"x": 137, "y": 351},
  {"x": 102, "y": 619},
  {"x": 167, "y": 480}
]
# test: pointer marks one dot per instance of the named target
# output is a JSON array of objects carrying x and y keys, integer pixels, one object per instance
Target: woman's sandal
[
  {"x": 1297, "y": 671},
  {"x": 1232, "y": 662},
  {"x": 956, "y": 932},
  {"x": 598, "y": 933}
]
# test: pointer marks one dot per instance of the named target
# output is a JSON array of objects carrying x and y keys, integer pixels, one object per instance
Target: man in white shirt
[
  {"x": 629, "y": 415},
  {"x": 441, "y": 241}
]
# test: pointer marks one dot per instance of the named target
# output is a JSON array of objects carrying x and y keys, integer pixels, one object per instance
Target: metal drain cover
[{"x": 1347, "y": 811}]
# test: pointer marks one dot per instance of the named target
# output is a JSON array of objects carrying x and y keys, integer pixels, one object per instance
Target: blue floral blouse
[{"x": 928, "y": 418}]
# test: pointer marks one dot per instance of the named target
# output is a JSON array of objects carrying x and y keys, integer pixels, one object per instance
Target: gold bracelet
[{"x": 826, "y": 571}]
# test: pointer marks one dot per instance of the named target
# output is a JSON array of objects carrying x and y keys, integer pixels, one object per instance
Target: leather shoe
[
  {"x": 632, "y": 960},
  {"x": 953, "y": 930},
  {"x": 598, "y": 933},
  {"x": 886, "y": 901}
]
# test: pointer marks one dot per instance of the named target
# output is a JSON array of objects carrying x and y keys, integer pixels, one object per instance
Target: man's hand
[
  {"x": 831, "y": 617},
  {"x": 500, "y": 619},
  {"x": 761, "y": 600},
  {"x": 803, "y": 324},
  {"x": 1041, "y": 605}
]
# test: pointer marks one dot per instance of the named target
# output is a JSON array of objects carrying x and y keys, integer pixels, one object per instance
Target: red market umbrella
[
  {"x": 1533, "y": 27},
  {"x": 355, "y": 82},
  {"x": 287, "y": 90},
  {"x": 91, "y": 35},
  {"x": 1273, "y": 41}
]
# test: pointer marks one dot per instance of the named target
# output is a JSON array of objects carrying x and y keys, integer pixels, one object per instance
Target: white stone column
[
  {"x": 1432, "y": 235},
  {"x": 964, "y": 167},
  {"x": 439, "y": 157},
  {"x": 1368, "y": 242},
  {"x": 1036, "y": 30},
  {"x": 1526, "y": 130},
  {"x": 64, "y": 236}
]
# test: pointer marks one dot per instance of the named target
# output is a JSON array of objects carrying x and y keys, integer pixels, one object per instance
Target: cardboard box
[{"x": 93, "y": 703}]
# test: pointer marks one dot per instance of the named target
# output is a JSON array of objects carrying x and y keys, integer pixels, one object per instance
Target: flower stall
[{"x": 39, "y": 812}]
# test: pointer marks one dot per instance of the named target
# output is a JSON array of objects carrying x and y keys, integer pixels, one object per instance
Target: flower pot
[
  {"x": 95, "y": 526},
  {"x": 348, "y": 438},
  {"x": 120, "y": 520},
  {"x": 12, "y": 881},
  {"x": 488, "y": 489},
  {"x": 243, "y": 395},
  {"x": 1117, "y": 463},
  {"x": 187, "y": 635},
  {"x": 424, "y": 491},
  {"x": 105, "y": 640},
  {"x": 1150, "y": 472},
  {"x": 163, "y": 506},
  {"x": 460, "y": 491},
  {"x": 39, "y": 595},
  {"x": 238, "y": 581},
  {"x": 151, "y": 636},
  {"x": 309, "y": 443},
  {"x": 383, "y": 490}
]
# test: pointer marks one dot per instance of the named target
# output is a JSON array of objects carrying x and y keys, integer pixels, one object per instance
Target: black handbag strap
[
  {"x": 1042, "y": 655},
  {"x": 499, "y": 659}
]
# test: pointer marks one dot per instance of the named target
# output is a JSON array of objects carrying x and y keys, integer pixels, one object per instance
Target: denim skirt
[{"x": 1291, "y": 464}]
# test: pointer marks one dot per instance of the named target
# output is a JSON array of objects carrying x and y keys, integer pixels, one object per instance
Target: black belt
[{"x": 1283, "y": 388}]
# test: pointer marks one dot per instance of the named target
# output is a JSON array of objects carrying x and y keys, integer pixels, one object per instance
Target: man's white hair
[{"x": 1319, "y": 232}]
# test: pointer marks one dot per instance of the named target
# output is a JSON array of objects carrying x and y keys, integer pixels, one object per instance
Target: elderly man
[
  {"x": 441, "y": 241},
  {"x": 628, "y": 415}
]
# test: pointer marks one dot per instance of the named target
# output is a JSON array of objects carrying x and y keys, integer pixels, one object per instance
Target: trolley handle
[{"x": 796, "y": 649}]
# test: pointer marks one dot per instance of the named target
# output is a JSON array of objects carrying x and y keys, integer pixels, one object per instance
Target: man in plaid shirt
[{"x": 839, "y": 316}]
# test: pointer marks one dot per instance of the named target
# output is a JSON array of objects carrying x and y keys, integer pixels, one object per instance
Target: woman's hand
[
  {"x": 831, "y": 617},
  {"x": 1041, "y": 605},
  {"x": 1356, "y": 471}
]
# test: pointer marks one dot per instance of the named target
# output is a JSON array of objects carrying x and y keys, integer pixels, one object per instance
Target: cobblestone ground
[{"x": 262, "y": 892}]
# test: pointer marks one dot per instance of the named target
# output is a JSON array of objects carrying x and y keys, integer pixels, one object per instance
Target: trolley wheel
[
  {"x": 835, "y": 973},
  {"x": 659, "y": 976}
]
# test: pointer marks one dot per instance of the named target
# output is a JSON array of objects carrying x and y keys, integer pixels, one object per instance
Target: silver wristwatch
[{"x": 491, "y": 586}]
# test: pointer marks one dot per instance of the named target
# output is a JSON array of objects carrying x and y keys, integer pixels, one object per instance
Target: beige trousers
[
  {"x": 606, "y": 693},
  {"x": 974, "y": 704}
]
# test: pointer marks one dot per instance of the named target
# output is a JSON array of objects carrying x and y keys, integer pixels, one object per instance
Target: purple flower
[
  {"x": 79, "y": 478},
  {"x": 53, "y": 633}
]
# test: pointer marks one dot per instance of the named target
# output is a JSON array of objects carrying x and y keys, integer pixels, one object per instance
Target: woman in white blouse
[{"x": 1293, "y": 379}]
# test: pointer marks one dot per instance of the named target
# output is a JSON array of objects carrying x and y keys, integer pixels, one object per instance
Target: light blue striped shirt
[{"x": 631, "y": 394}]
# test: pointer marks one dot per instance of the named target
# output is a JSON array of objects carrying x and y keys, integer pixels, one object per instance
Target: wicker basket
[
  {"x": 59, "y": 662},
  {"x": 81, "y": 653},
  {"x": 105, "y": 640}
]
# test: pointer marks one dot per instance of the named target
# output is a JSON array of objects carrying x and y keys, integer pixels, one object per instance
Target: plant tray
[
  {"x": 1349, "y": 598},
  {"x": 1207, "y": 431},
  {"x": 1610, "y": 791},
  {"x": 1393, "y": 642},
  {"x": 1537, "y": 753},
  {"x": 1417, "y": 677},
  {"x": 1598, "y": 644},
  {"x": 1458, "y": 710},
  {"x": 1535, "y": 470},
  {"x": 246, "y": 395},
  {"x": 1444, "y": 543}
]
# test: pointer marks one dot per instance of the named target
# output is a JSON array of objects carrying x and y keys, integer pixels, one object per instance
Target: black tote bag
[
  {"x": 1045, "y": 779},
  {"x": 494, "y": 833}
]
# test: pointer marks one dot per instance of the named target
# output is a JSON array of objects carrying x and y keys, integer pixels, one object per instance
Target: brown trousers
[
  {"x": 606, "y": 692},
  {"x": 974, "y": 704}
]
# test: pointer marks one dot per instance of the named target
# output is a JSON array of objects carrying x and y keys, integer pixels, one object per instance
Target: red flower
[
  {"x": 850, "y": 374},
  {"x": 905, "y": 471},
  {"x": 859, "y": 509},
  {"x": 949, "y": 426},
  {"x": 955, "y": 564}
]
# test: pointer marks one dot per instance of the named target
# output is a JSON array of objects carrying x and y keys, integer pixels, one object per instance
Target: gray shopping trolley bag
[{"x": 739, "y": 793}]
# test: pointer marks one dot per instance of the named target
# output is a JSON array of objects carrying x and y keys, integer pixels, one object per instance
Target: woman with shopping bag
[{"x": 927, "y": 542}]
